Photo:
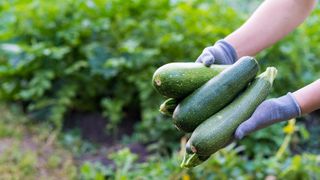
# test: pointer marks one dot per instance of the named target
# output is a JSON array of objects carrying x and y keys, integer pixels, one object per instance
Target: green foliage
[
  {"x": 97, "y": 55},
  {"x": 10, "y": 122},
  {"x": 16, "y": 163},
  {"x": 73, "y": 142},
  {"x": 64, "y": 55},
  {"x": 267, "y": 145},
  {"x": 124, "y": 161},
  {"x": 225, "y": 164},
  {"x": 95, "y": 171}
]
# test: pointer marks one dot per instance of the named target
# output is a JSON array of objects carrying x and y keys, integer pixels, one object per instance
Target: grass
[{"x": 29, "y": 151}]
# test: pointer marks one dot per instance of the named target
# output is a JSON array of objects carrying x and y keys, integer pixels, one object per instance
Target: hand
[
  {"x": 220, "y": 53},
  {"x": 269, "y": 112}
]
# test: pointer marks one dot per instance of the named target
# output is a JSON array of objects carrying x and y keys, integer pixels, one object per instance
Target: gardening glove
[
  {"x": 269, "y": 112},
  {"x": 220, "y": 53}
]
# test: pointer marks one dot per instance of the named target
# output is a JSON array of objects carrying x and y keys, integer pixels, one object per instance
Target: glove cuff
[{"x": 295, "y": 102}]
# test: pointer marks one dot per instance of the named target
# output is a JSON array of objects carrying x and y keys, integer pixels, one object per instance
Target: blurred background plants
[{"x": 65, "y": 57}]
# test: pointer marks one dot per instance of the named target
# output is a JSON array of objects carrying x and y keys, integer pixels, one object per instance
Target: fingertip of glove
[
  {"x": 208, "y": 62},
  {"x": 296, "y": 104},
  {"x": 199, "y": 60},
  {"x": 239, "y": 134}
]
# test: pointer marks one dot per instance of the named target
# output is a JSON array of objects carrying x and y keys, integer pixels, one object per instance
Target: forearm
[
  {"x": 269, "y": 23},
  {"x": 308, "y": 97}
]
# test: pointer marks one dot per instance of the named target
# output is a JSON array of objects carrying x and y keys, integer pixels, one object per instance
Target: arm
[
  {"x": 269, "y": 23},
  {"x": 308, "y": 97}
]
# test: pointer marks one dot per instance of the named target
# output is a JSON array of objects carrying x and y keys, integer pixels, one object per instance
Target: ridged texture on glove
[
  {"x": 269, "y": 112},
  {"x": 220, "y": 53}
]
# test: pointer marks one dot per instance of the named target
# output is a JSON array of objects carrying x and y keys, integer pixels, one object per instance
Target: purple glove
[
  {"x": 220, "y": 53},
  {"x": 269, "y": 112}
]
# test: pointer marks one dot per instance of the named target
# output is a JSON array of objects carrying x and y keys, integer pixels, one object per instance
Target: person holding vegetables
[{"x": 268, "y": 24}]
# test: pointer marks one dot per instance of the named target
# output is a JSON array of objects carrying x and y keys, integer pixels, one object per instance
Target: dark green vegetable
[
  {"x": 177, "y": 80},
  {"x": 217, "y": 131},
  {"x": 215, "y": 94}
]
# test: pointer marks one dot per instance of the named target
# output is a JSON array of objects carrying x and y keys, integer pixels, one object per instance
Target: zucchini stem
[
  {"x": 168, "y": 106},
  {"x": 270, "y": 74}
]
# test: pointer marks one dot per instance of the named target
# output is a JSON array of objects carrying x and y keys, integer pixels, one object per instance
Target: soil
[
  {"x": 312, "y": 144},
  {"x": 108, "y": 142}
]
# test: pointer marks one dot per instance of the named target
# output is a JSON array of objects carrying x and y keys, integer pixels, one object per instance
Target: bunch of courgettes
[{"x": 211, "y": 102}]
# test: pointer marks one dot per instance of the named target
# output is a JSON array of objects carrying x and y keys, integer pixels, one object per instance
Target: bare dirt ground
[{"x": 96, "y": 133}]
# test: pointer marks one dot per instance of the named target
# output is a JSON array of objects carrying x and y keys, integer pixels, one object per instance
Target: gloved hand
[
  {"x": 220, "y": 53},
  {"x": 269, "y": 112}
]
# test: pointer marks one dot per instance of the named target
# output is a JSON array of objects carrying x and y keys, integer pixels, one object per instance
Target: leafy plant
[
  {"x": 226, "y": 164},
  {"x": 55, "y": 59},
  {"x": 95, "y": 55},
  {"x": 94, "y": 171}
]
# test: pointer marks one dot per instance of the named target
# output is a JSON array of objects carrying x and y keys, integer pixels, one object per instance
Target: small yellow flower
[
  {"x": 185, "y": 177},
  {"x": 290, "y": 127}
]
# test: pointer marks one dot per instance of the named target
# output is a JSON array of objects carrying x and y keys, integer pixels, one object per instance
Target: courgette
[
  {"x": 177, "y": 80},
  {"x": 218, "y": 131},
  {"x": 214, "y": 94}
]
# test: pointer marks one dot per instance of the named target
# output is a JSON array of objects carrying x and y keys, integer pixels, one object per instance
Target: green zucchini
[
  {"x": 218, "y": 131},
  {"x": 215, "y": 94},
  {"x": 177, "y": 80},
  {"x": 168, "y": 106}
]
